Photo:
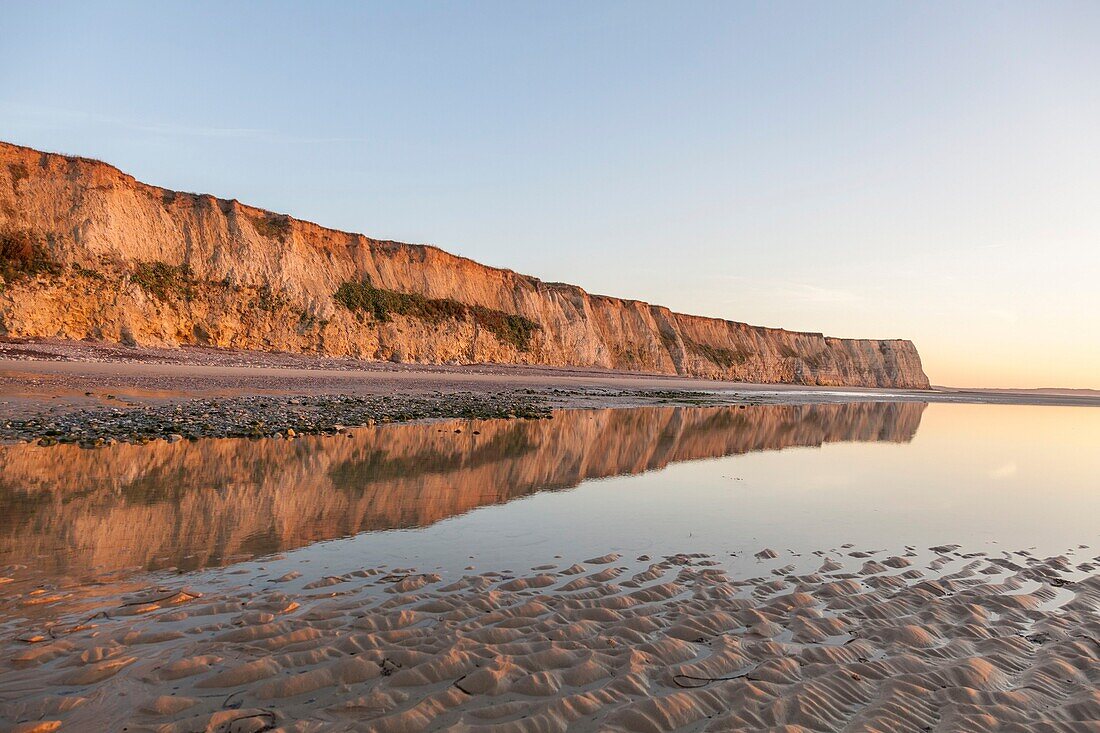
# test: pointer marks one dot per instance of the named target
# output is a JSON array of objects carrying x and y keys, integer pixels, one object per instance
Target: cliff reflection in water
[{"x": 69, "y": 511}]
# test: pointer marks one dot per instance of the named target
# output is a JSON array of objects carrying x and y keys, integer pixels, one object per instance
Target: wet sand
[
  {"x": 67, "y": 368},
  {"x": 121, "y": 387},
  {"x": 860, "y": 639},
  {"x": 845, "y": 639}
]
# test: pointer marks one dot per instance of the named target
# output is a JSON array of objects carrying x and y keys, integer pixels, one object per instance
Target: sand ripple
[{"x": 869, "y": 642}]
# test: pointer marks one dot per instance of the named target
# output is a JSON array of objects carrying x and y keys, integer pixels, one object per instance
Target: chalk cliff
[{"x": 88, "y": 252}]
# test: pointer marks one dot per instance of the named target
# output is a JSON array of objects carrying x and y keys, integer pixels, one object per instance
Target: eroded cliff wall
[{"x": 91, "y": 253}]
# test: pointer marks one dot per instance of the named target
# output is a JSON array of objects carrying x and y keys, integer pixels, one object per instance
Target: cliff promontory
[{"x": 88, "y": 252}]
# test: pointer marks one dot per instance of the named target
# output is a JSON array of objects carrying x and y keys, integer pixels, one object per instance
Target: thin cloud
[
  {"x": 53, "y": 116},
  {"x": 815, "y": 294},
  {"x": 792, "y": 291}
]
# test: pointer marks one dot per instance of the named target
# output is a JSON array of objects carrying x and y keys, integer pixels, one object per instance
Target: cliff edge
[{"x": 88, "y": 252}]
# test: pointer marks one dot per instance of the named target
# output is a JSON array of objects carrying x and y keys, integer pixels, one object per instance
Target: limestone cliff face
[
  {"x": 213, "y": 502},
  {"x": 134, "y": 263}
]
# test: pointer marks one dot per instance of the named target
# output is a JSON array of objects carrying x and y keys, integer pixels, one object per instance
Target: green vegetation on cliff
[
  {"x": 271, "y": 226},
  {"x": 164, "y": 281},
  {"x": 22, "y": 256},
  {"x": 723, "y": 357},
  {"x": 381, "y": 304}
]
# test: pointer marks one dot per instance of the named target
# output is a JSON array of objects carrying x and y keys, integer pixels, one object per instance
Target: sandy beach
[
  {"x": 219, "y": 634},
  {"x": 90, "y": 394},
  {"x": 911, "y": 639},
  {"x": 63, "y": 370}
]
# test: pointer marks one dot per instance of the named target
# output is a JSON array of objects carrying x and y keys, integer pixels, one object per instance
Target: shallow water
[
  {"x": 510, "y": 494},
  {"x": 604, "y": 570}
]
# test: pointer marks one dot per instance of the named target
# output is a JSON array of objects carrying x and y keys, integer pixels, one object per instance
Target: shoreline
[
  {"x": 187, "y": 369},
  {"x": 293, "y": 622},
  {"x": 93, "y": 395}
]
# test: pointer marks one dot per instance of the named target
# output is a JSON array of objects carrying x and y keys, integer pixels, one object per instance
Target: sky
[{"x": 872, "y": 169}]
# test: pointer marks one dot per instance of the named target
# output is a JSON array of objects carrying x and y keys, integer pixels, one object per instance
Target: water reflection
[{"x": 72, "y": 512}]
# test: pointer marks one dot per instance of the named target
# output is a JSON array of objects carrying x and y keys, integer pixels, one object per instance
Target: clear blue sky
[{"x": 881, "y": 169}]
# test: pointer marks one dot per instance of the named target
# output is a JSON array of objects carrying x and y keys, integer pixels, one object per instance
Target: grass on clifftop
[
  {"x": 381, "y": 304},
  {"x": 22, "y": 256}
]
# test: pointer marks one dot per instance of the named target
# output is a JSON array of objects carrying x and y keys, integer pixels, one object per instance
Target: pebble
[{"x": 259, "y": 416}]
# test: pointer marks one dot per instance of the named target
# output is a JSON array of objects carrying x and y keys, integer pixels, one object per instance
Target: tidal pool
[{"x": 649, "y": 480}]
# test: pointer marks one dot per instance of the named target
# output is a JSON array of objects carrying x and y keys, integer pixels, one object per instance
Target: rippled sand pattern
[{"x": 870, "y": 641}]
